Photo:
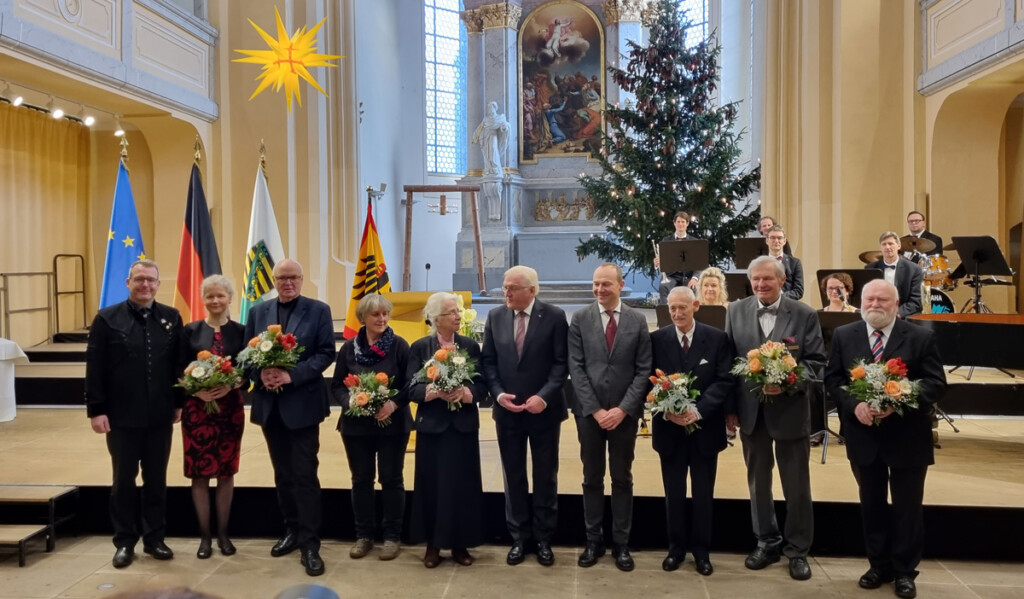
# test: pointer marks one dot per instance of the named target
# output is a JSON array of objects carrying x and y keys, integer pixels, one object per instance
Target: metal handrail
[
  {"x": 5, "y": 289},
  {"x": 57, "y": 292}
]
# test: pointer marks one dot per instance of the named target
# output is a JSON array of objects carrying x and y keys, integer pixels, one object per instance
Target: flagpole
[
  {"x": 198, "y": 156},
  {"x": 124, "y": 152}
]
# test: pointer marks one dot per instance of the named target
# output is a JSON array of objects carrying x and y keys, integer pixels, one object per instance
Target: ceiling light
[
  {"x": 118, "y": 127},
  {"x": 87, "y": 119},
  {"x": 55, "y": 112},
  {"x": 10, "y": 96}
]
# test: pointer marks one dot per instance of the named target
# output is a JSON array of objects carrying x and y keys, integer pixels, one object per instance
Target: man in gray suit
[
  {"x": 783, "y": 422},
  {"x": 609, "y": 361}
]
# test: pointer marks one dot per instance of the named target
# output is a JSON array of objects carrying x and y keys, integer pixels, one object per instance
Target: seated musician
[
  {"x": 793, "y": 287},
  {"x": 916, "y": 223},
  {"x": 838, "y": 288},
  {"x": 711, "y": 289},
  {"x": 899, "y": 271},
  {"x": 676, "y": 279},
  {"x": 766, "y": 223}
]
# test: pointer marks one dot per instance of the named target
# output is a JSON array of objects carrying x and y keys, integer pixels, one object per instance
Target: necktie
[
  {"x": 609, "y": 331},
  {"x": 772, "y": 310},
  {"x": 686, "y": 344},
  {"x": 876, "y": 347},
  {"x": 520, "y": 332},
  {"x": 779, "y": 258},
  {"x": 892, "y": 266}
]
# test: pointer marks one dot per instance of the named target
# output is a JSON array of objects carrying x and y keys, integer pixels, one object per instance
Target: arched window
[
  {"x": 697, "y": 11},
  {"x": 445, "y": 44}
]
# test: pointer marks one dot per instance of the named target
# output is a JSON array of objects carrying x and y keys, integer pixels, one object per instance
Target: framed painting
[{"x": 561, "y": 75}]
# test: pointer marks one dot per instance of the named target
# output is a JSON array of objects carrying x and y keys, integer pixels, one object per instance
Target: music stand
[
  {"x": 738, "y": 285},
  {"x": 860, "y": 276},
  {"x": 688, "y": 255},
  {"x": 828, "y": 321},
  {"x": 713, "y": 316},
  {"x": 980, "y": 255},
  {"x": 748, "y": 248}
]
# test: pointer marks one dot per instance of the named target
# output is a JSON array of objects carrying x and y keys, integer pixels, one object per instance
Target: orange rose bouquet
[
  {"x": 206, "y": 372},
  {"x": 367, "y": 392},
  {"x": 271, "y": 349},
  {"x": 770, "y": 365},
  {"x": 672, "y": 394},
  {"x": 883, "y": 385},
  {"x": 448, "y": 369}
]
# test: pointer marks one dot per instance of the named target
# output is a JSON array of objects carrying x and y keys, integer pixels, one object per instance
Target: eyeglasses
[
  {"x": 915, "y": 221},
  {"x": 513, "y": 288},
  {"x": 776, "y": 238},
  {"x": 449, "y": 313},
  {"x": 145, "y": 280},
  {"x": 837, "y": 288},
  {"x": 287, "y": 278}
]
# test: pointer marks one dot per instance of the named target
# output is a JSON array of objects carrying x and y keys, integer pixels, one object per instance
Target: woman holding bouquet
[
  {"x": 375, "y": 441},
  {"x": 212, "y": 437},
  {"x": 446, "y": 509}
]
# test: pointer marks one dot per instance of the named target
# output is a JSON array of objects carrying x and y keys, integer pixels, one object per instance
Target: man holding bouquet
[
  {"x": 774, "y": 420},
  {"x": 893, "y": 455},
  {"x": 689, "y": 347},
  {"x": 290, "y": 404}
]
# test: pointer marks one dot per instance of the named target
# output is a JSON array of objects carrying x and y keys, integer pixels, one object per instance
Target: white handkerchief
[{"x": 703, "y": 361}]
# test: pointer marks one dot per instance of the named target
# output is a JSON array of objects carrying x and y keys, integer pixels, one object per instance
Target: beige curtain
[{"x": 44, "y": 185}]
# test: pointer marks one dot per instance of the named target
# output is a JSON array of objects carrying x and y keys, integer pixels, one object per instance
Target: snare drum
[
  {"x": 936, "y": 269},
  {"x": 940, "y": 303}
]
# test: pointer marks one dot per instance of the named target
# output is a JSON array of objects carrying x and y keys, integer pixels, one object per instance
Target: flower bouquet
[
  {"x": 367, "y": 392},
  {"x": 206, "y": 372},
  {"x": 672, "y": 394},
  {"x": 469, "y": 326},
  {"x": 271, "y": 349},
  {"x": 770, "y": 365},
  {"x": 883, "y": 385},
  {"x": 449, "y": 369}
]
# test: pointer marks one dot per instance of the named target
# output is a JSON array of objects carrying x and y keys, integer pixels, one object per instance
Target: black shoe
[
  {"x": 123, "y": 557},
  {"x": 545, "y": 556},
  {"x": 516, "y": 554},
  {"x": 159, "y": 550},
  {"x": 311, "y": 559},
  {"x": 704, "y": 567},
  {"x": 285, "y": 545},
  {"x": 205, "y": 549},
  {"x": 905, "y": 587},
  {"x": 671, "y": 562},
  {"x": 799, "y": 569},
  {"x": 873, "y": 579},
  {"x": 759, "y": 558},
  {"x": 623, "y": 560},
  {"x": 226, "y": 546},
  {"x": 591, "y": 553}
]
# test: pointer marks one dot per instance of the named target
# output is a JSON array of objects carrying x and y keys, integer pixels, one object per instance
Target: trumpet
[{"x": 657, "y": 254}]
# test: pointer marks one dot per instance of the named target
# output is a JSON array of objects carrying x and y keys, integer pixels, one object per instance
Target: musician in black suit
[
  {"x": 290, "y": 405},
  {"x": 682, "y": 278},
  {"x": 902, "y": 273},
  {"x": 793, "y": 288},
  {"x": 525, "y": 364},
  {"x": 766, "y": 223},
  {"x": 687, "y": 346},
  {"x": 916, "y": 223},
  {"x": 892, "y": 456}
]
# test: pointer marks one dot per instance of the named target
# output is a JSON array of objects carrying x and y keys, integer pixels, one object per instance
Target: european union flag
[{"x": 124, "y": 242}]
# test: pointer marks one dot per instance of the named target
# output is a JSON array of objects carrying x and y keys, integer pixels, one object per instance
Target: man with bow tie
[
  {"x": 898, "y": 271},
  {"x": 780, "y": 426},
  {"x": 687, "y": 346},
  {"x": 793, "y": 288}
]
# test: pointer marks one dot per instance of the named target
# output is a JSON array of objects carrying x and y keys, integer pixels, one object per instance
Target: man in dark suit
[
  {"x": 916, "y": 224},
  {"x": 793, "y": 288},
  {"x": 130, "y": 397},
  {"x": 609, "y": 362},
  {"x": 290, "y": 405},
  {"x": 681, "y": 278},
  {"x": 687, "y": 346},
  {"x": 782, "y": 423},
  {"x": 892, "y": 457},
  {"x": 525, "y": 363},
  {"x": 902, "y": 273},
  {"x": 765, "y": 224}
]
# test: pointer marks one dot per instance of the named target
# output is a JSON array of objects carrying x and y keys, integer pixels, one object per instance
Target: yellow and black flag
[{"x": 371, "y": 273}]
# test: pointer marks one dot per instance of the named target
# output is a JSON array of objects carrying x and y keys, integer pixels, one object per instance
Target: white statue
[{"x": 492, "y": 135}]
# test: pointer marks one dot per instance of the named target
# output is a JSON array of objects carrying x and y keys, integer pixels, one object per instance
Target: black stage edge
[
  {"x": 37, "y": 356},
  {"x": 968, "y": 533}
]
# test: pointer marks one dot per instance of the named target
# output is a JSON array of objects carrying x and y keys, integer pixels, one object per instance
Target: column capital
[
  {"x": 624, "y": 11},
  {"x": 473, "y": 19},
  {"x": 501, "y": 14}
]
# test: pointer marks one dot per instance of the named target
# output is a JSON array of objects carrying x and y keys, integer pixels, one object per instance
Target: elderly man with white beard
[{"x": 888, "y": 452}]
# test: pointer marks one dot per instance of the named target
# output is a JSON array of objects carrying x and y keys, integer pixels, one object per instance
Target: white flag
[{"x": 263, "y": 249}]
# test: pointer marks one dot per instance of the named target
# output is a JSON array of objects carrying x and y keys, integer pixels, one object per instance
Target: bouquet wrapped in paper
[
  {"x": 367, "y": 392},
  {"x": 770, "y": 365},
  {"x": 449, "y": 369},
  {"x": 209, "y": 371},
  {"x": 672, "y": 394},
  {"x": 271, "y": 349},
  {"x": 883, "y": 385}
]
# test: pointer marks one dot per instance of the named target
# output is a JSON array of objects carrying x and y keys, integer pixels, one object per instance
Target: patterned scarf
[{"x": 367, "y": 354}]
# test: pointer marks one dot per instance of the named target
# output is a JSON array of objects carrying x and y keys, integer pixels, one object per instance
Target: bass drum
[{"x": 940, "y": 303}]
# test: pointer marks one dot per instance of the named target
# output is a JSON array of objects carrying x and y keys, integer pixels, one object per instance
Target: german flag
[
  {"x": 371, "y": 274},
  {"x": 198, "y": 257}
]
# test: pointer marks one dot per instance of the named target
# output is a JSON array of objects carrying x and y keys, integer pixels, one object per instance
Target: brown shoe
[
  {"x": 433, "y": 557},
  {"x": 462, "y": 557},
  {"x": 389, "y": 551},
  {"x": 361, "y": 548}
]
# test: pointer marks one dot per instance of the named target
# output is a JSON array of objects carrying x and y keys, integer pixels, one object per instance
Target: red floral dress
[{"x": 212, "y": 442}]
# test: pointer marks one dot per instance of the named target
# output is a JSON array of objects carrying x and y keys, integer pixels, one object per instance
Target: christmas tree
[{"x": 671, "y": 148}]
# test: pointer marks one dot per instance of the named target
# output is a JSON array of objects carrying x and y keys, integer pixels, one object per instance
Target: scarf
[{"x": 367, "y": 354}]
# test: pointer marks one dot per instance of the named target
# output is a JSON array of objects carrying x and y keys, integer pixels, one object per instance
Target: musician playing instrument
[
  {"x": 676, "y": 279},
  {"x": 902, "y": 273}
]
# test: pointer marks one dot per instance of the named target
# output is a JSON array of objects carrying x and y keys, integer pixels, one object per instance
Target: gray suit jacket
[
  {"x": 603, "y": 379},
  {"x": 796, "y": 325}
]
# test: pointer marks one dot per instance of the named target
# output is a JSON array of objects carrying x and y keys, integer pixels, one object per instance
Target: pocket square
[{"x": 703, "y": 361}]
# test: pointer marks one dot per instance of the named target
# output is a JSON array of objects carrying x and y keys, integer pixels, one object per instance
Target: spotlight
[
  {"x": 54, "y": 111},
  {"x": 10, "y": 96},
  {"x": 87, "y": 119},
  {"x": 118, "y": 127}
]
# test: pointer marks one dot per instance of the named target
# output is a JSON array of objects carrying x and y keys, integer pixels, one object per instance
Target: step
[{"x": 15, "y": 535}]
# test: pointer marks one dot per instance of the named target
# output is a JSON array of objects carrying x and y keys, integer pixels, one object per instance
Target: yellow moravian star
[{"x": 287, "y": 60}]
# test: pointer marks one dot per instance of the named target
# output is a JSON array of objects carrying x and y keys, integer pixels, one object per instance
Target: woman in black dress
[
  {"x": 369, "y": 446},
  {"x": 448, "y": 493},
  {"x": 211, "y": 442}
]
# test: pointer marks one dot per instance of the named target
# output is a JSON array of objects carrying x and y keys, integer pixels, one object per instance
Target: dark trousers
[
  {"x": 512, "y": 442},
  {"x": 693, "y": 532},
  {"x": 621, "y": 445},
  {"x": 129, "y": 448},
  {"x": 293, "y": 454},
  {"x": 369, "y": 455},
  {"x": 893, "y": 535}
]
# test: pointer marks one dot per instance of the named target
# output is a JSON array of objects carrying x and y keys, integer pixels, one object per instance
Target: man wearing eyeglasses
[
  {"x": 525, "y": 364},
  {"x": 290, "y": 405},
  {"x": 793, "y": 288},
  {"x": 130, "y": 397},
  {"x": 916, "y": 223}
]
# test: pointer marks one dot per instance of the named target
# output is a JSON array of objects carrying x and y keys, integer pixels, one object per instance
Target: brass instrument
[{"x": 657, "y": 254}]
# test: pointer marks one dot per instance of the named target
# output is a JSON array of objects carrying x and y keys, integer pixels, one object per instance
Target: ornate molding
[
  {"x": 473, "y": 19},
  {"x": 502, "y": 14},
  {"x": 624, "y": 11}
]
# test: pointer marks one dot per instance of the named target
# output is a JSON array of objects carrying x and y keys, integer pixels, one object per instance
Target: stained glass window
[{"x": 445, "y": 39}]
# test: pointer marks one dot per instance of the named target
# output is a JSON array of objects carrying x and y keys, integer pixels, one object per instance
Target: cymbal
[
  {"x": 870, "y": 256},
  {"x": 909, "y": 243},
  {"x": 949, "y": 247}
]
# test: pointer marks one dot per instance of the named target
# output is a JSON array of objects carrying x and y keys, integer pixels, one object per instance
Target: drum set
[{"x": 937, "y": 277}]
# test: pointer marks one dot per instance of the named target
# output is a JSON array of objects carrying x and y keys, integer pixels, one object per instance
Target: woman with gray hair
[
  {"x": 448, "y": 492},
  {"x": 371, "y": 446}
]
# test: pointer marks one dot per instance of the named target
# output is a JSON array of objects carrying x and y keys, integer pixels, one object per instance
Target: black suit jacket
[
  {"x": 908, "y": 284},
  {"x": 395, "y": 364},
  {"x": 793, "y": 288},
  {"x": 900, "y": 441},
  {"x": 198, "y": 336},
  {"x": 434, "y": 417},
  {"x": 709, "y": 359},
  {"x": 303, "y": 402},
  {"x": 541, "y": 370}
]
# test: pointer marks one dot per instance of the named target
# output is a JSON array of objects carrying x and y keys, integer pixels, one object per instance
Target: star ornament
[{"x": 287, "y": 60}]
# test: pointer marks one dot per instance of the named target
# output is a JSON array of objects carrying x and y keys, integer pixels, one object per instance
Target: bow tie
[
  {"x": 892, "y": 266},
  {"x": 779, "y": 258},
  {"x": 772, "y": 310}
]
